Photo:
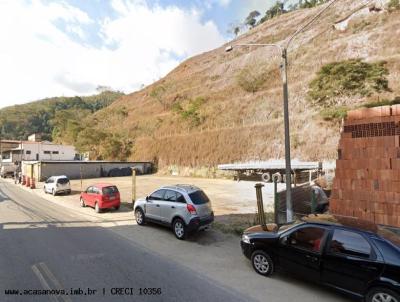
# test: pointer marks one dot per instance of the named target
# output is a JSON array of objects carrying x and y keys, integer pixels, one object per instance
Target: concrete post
[{"x": 260, "y": 205}]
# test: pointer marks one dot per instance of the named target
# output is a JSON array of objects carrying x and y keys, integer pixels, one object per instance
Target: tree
[{"x": 251, "y": 19}]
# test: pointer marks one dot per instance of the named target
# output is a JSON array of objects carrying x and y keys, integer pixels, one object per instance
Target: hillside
[
  {"x": 199, "y": 115},
  {"x": 44, "y": 116},
  {"x": 221, "y": 107}
]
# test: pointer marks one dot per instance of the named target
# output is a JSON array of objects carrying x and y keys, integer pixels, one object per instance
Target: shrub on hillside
[
  {"x": 348, "y": 78},
  {"x": 395, "y": 101},
  {"x": 394, "y": 5},
  {"x": 191, "y": 111},
  {"x": 250, "y": 80},
  {"x": 334, "y": 113}
]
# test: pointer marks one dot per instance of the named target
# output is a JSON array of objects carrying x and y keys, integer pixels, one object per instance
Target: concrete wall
[{"x": 90, "y": 169}]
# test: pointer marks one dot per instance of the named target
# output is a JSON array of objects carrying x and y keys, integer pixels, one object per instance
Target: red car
[{"x": 101, "y": 196}]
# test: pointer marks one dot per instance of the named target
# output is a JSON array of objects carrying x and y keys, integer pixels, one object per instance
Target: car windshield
[
  {"x": 110, "y": 190},
  {"x": 63, "y": 181},
  {"x": 199, "y": 197},
  {"x": 390, "y": 234},
  {"x": 288, "y": 226}
]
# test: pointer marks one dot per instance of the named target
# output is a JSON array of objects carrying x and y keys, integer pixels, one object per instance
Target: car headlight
[{"x": 245, "y": 238}]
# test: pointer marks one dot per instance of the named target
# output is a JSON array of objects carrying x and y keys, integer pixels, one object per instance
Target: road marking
[
  {"x": 43, "y": 281},
  {"x": 52, "y": 278}
]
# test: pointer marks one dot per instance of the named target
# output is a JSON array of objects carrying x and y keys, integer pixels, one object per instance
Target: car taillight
[{"x": 191, "y": 209}]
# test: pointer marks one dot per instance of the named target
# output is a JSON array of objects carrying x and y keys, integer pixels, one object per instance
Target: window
[
  {"x": 55, "y": 152},
  {"x": 158, "y": 195},
  {"x": 28, "y": 152},
  {"x": 180, "y": 198},
  {"x": 110, "y": 190},
  {"x": 50, "y": 180},
  {"x": 89, "y": 190},
  {"x": 309, "y": 238},
  {"x": 63, "y": 181},
  {"x": 170, "y": 196},
  {"x": 349, "y": 243},
  {"x": 46, "y": 152},
  {"x": 199, "y": 197}
]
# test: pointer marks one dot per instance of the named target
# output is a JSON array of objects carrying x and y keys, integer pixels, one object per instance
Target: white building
[{"x": 33, "y": 150}]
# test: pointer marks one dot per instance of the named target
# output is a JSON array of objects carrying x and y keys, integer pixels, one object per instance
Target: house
[{"x": 34, "y": 149}]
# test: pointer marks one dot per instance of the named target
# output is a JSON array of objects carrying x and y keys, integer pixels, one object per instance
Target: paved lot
[{"x": 82, "y": 248}]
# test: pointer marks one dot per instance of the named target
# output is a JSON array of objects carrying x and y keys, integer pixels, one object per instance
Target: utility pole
[
  {"x": 283, "y": 52},
  {"x": 288, "y": 171}
]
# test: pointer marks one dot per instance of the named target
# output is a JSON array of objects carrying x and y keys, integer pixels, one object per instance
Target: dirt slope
[{"x": 199, "y": 115}]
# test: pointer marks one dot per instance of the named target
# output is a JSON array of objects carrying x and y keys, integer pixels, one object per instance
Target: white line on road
[{"x": 52, "y": 278}]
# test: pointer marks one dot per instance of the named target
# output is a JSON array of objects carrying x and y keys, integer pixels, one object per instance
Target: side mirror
[
  {"x": 284, "y": 240},
  {"x": 147, "y": 198}
]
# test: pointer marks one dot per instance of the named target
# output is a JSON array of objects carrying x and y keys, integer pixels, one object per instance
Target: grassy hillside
[
  {"x": 49, "y": 115},
  {"x": 223, "y": 107}
]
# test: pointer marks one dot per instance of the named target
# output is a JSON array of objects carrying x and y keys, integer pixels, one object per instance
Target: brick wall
[{"x": 367, "y": 180}]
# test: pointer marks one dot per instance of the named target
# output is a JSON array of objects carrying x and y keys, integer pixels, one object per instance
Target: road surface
[{"x": 46, "y": 248}]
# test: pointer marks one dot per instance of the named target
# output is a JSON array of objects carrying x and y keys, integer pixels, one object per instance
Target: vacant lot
[{"x": 227, "y": 196}]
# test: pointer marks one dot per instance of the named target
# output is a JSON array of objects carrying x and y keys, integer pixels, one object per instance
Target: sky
[{"x": 70, "y": 47}]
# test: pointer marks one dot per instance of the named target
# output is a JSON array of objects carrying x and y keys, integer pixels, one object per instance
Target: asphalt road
[{"x": 44, "y": 246}]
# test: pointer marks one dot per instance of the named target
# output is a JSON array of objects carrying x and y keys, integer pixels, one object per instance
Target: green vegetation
[
  {"x": 348, "y": 78},
  {"x": 250, "y": 80},
  {"x": 334, "y": 113},
  {"x": 395, "y": 101},
  {"x": 51, "y": 117},
  {"x": 158, "y": 94},
  {"x": 191, "y": 111},
  {"x": 394, "y": 5}
]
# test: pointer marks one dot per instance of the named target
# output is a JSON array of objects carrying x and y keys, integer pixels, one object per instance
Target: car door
[
  {"x": 96, "y": 195},
  {"x": 300, "y": 251},
  {"x": 48, "y": 184},
  {"x": 88, "y": 196},
  {"x": 152, "y": 208},
  {"x": 350, "y": 261},
  {"x": 173, "y": 204}
]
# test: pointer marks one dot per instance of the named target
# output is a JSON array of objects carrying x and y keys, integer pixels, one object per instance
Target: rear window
[
  {"x": 110, "y": 190},
  {"x": 199, "y": 197},
  {"x": 63, "y": 181}
]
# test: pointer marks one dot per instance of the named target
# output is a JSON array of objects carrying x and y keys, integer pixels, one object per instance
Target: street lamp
[{"x": 288, "y": 169}]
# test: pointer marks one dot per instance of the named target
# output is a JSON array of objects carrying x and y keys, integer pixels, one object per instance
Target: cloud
[{"x": 138, "y": 45}]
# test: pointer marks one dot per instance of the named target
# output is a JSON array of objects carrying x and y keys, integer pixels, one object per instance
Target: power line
[{"x": 310, "y": 22}]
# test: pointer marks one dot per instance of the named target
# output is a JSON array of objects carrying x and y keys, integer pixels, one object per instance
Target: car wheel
[
  {"x": 382, "y": 294},
  {"x": 82, "y": 203},
  {"x": 179, "y": 229},
  {"x": 97, "y": 208},
  {"x": 116, "y": 208},
  {"x": 140, "y": 218},
  {"x": 262, "y": 263},
  {"x": 54, "y": 192}
]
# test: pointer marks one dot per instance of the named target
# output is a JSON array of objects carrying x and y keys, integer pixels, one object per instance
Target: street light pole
[
  {"x": 288, "y": 168},
  {"x": 289, "y": 203}
]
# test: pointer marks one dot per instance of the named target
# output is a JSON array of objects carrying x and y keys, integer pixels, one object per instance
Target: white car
[{"x": 57, "y": 184}]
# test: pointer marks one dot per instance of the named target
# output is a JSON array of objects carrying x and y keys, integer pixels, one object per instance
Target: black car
[{"x": 363, "y": 261}]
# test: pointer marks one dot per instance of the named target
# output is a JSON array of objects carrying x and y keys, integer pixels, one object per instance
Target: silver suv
[{"x": 185, "y": 208}]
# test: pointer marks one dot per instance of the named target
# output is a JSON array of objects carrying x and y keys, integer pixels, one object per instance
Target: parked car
[
  {"x": 185, "y": 208},
  {"x": 57, "y": 184},
  {"x": 7, "y": 170},
  {"x": 363, "y": 261},
  {"x": 101, "y": 196}
]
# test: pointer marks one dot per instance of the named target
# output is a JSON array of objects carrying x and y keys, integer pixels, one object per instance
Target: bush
[
  {"x": 191, "y": 112},
  {"x": 394, "y": 5},
  {"x": 334, "y": 113},
  {"x": 348, "y": 78},
  {"x": 395, "y": 101},
  {"x": 250, "y": 80}
]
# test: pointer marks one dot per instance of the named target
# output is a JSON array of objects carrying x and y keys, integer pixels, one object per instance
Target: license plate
[{"x": 112, "y": 197}]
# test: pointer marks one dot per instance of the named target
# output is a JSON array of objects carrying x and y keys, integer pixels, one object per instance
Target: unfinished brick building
[{"x": 367, "y": 180}]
